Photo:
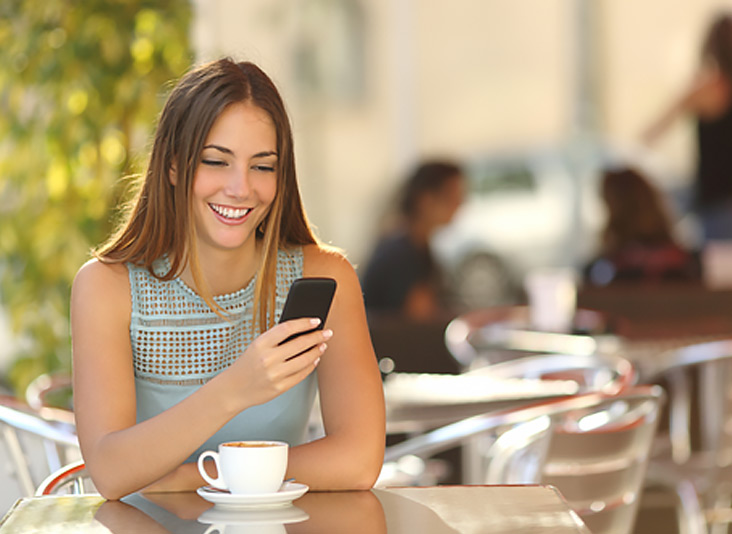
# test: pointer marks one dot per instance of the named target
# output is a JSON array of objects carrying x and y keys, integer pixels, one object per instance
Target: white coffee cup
[{"x": 247, "y": 467}]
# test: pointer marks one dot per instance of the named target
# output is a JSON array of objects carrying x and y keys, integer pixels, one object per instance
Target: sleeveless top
[
  {"x": 179, "y": 343},
  {"x": 714, "y": 160}
]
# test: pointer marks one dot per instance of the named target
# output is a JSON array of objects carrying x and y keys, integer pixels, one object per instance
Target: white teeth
[{"x": 230, "y": 213}]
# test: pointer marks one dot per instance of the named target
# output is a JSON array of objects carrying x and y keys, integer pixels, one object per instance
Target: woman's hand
[{"x": 270, "y": 365}]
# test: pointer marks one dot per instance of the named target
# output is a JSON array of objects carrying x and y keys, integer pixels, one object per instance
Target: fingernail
[
  {"x": 316, "y": 362},
  {"x": 327, "y": 334},
  {"x": 315, "y": 321},
  {"x": 322, "y": 347}
]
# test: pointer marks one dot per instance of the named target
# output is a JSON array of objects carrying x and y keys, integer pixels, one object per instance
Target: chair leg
[
  {"x": 19, "y": 460},
  {"x": 680, "y": 406},
  {"x": 691, "y": 518},
  {"x": 722, "y": 501},
  {"x": 690, "y": 515}
]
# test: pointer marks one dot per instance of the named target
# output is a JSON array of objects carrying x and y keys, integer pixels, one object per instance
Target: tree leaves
[{"x": 80, "y": 86}]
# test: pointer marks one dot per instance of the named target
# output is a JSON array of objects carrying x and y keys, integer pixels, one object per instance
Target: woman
[
  {"x": 708, "y": 99},
  {"x": 402, "y": 277},
  {"x": 637, "y": 242},
  {"x": 175, "y": 347}
]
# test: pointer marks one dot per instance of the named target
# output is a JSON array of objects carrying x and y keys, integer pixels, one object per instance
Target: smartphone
[{"x": 308, "y": 297}]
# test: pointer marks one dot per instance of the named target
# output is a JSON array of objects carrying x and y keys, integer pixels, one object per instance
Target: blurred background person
[
  {"x": 637, "y": 242},
  {"x": 405, "y": 293},
  {"x": 708, "y": 99},
  {"x": 402, "y": 276}
]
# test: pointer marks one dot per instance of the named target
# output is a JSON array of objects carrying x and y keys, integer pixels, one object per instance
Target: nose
[{"x": 237, "y": 185}]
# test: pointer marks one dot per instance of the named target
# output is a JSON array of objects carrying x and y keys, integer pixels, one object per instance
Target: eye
[
  {"x": 213, "y": 162},
  {"x": 264, "y": 168}
]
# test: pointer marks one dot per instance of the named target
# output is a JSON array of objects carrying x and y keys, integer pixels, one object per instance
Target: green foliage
[{"x": 80, "y": 88}]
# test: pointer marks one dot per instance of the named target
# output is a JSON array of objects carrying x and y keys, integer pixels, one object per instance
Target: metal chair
[
  {"x": 514, "y": 445},
  {"x": 421, "y": 402},
  {"x": 70, "y": 479},
  {"x": 492, "y": 335},
  {"x": 596, "y": 453},
  {"x": 607, "y": 373},
  {"x": 598, "y": 458},
  {"x": 50, "y": 395},
  {"x": 29, "y": 437},
  {"x": 696, "y": 451}
]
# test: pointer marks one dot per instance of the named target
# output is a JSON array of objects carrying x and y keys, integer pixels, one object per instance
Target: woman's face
[
  {"x": 236, "y": 179},
  {"x": 442, "y": 204}
]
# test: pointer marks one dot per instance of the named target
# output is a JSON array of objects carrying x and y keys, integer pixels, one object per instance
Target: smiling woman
[{"x": 182, "y": 352}]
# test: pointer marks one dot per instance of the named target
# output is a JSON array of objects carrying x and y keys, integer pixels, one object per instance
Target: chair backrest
[
  {"x": 516, "y": 455},
  {"x": 516, "y": 447},
  {"x": 70, "y": 479},
  {"x": 36, "y": 446},
  {"x": 596, "y": 454},
  {"x": 492, "y": 335},
  {"x": 598, "y": 457},
  {"x": 50, "y": 395},
  {"x": 710, "y": 364},
  {"x": 607, "y": 373}
]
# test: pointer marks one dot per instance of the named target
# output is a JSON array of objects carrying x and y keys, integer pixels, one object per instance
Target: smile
[{"x": 230, "y": 213}]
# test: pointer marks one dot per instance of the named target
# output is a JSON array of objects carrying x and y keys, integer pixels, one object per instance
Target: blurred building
[{"x": 374, "y": 85}]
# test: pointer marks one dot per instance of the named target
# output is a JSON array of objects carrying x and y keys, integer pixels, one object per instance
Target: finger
[
  {"x": 296, "y": 369},
  {"x": 284, "y": 331},
  {"x": 302, "y": 343}
]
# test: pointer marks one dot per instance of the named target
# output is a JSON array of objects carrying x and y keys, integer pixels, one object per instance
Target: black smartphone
[{"x": 308, "y": 297}]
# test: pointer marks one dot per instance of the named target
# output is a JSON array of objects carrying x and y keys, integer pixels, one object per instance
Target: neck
[
  {"x": 420, "y": 231},
  {"x": 226, "y": 272}
]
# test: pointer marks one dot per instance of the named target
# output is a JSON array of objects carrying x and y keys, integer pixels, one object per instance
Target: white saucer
[
  {"x": 288, "y": 493},
  {"x": 254, "y": 516}
]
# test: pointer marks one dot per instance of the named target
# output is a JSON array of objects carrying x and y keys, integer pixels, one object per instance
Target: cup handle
[
  {"x": 214, "y": 528},
  {"x": 215, "y": 482}
]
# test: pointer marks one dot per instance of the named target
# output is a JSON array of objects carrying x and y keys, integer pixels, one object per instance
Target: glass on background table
[{"x": 427, "y": 510}]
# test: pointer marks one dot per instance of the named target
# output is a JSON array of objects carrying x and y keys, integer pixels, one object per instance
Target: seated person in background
[
  {"x": 402, "y": 276},
  {"x": 637, "y": 243}
]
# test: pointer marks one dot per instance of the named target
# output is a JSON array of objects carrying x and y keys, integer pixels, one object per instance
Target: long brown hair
[
  {"x": 637, "y": 212},
  {"x": 159, "y": 221},
  {"x": 717, "y": 44}
]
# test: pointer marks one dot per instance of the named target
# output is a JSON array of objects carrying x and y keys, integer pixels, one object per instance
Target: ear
[{"x": 173, "y": 174}]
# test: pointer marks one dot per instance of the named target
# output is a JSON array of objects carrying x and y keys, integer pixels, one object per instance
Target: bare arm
[
  {"x": 700, "y": 98},
  {"x": 124, "y": 456},
  {"x": 656, "y": 130},
  {"x": 351, "y": 394}
]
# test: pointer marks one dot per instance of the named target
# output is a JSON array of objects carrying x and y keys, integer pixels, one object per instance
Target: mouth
[{"x": 230, "y": 214}]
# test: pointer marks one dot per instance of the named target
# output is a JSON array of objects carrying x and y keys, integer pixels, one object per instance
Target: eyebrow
[
  {"x": 265, "y": 154},
  {"x": 229, "y": 151}
]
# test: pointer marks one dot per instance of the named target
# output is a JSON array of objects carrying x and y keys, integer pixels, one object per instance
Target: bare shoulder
[
  {"x": 97, "y": 274},
  {"x": 319, "y": 260},
  {"x": 105, "y": 282}
]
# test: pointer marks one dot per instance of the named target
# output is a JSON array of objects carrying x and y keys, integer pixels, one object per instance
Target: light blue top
[{"x": 179, "y": 343}]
